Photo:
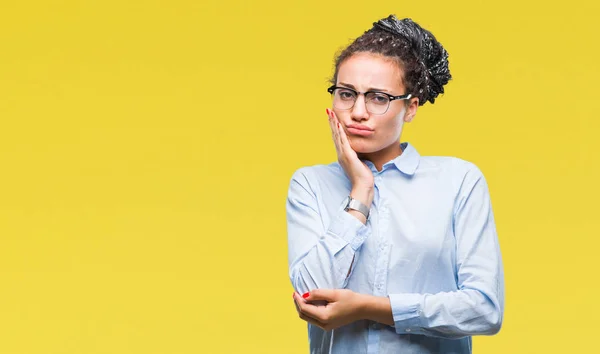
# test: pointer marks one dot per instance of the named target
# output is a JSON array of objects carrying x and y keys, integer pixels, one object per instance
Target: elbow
[
  {"x": 493, "y": 327},
  {"x": 492, "y": 314},
  {"x": 306, "y": 277},
  {"x": 302, "y": 280},
  {"x": 496, "y": 325},
  {"x": 492, "y": 323},
  {"x": 487, "y": 317},
  {"x": 297, "y": 280}
]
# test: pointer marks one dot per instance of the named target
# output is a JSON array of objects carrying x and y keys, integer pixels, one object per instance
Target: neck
[{"x": 379, "y": 158}]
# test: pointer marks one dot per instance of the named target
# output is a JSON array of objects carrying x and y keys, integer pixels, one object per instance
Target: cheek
[
  {"x": 343, "y": 116},
  {"x": 392, "y": 127}
]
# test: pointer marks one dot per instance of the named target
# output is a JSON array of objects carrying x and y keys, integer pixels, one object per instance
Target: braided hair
[{"x": 422, "y": 58}]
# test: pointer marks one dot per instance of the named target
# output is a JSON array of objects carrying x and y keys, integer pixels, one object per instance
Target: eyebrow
[{"x": 369, "y": 89}]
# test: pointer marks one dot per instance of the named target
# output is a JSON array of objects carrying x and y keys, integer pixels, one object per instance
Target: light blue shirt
[{"x": 430, "y": 245}]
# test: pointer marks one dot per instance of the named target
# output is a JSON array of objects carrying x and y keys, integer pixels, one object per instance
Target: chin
[{"x": 364, "y": 147}]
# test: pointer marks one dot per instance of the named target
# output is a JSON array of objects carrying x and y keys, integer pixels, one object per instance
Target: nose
[{"x": 359, "y": 111}]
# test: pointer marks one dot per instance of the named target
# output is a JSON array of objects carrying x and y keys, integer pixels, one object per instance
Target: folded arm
[
  {"x": 319, "y": 256},
  {"x": 475, "y": 308}
]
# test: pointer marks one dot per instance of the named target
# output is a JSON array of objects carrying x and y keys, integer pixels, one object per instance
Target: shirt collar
[{"x": 407, "y": 162}]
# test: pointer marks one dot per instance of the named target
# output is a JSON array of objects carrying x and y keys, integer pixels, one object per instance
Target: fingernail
[
  {"x": 338, "y": 124},
  {"x": 305, "y": 295},
  {"x": 327, "y": 111}
]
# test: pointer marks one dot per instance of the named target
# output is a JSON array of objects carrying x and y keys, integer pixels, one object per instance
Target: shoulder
[
  {"x": 321, "y": 171},
  {"x": 450, "y": 166},
  {"x": 460, "y": 175},
  {"x": 309, "y": 176}
]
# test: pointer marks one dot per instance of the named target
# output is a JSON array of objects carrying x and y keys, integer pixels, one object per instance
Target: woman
[{"x": 392, "y": 252}]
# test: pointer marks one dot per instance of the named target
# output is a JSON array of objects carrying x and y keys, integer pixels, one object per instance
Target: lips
[{"x": 360, "y": 130}]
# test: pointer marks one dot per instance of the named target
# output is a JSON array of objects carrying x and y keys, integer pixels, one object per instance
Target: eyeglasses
[{"x": 376, "y": 102}]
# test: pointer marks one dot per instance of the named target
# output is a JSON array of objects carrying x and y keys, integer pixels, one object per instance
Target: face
[{"x": 370, "y": 72}]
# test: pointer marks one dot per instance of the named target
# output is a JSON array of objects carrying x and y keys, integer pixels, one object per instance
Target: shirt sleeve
[
  {"x": 477, "y": 306},
  {"x": 319, "y": 256}
]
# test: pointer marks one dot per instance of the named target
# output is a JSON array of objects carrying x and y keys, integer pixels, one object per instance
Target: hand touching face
[{"x": 368, "y": 72}]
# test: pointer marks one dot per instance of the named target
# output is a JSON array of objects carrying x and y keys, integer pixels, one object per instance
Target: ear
[{"x": 411, "y": 110}]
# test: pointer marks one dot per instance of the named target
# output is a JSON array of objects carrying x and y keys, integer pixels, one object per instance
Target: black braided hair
[{"x": 421, "y": 57}]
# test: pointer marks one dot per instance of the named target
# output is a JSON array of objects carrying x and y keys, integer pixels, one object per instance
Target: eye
[
  {"x": 378, "y": 98},
  {"x": 346, "y": 94}
]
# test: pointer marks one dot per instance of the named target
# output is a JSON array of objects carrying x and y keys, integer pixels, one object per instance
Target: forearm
[
  {"x": 330, "y": 262},
  {"x": 322, "y": 257},
  {"x": 451, "y": 315},
  {"x": 376, "y": 308},
  {"x": 454, "y": 314}
]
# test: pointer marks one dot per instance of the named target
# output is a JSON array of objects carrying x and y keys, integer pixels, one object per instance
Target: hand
[
  {"x": 343, "y": 307},
  {"x": 357, "y": 171}
]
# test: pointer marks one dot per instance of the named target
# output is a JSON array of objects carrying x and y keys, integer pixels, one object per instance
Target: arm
[
  {"x": 478, "y": 304},
  {"x": 319, "y": 257},
  {"x": 475, "y": 308}
]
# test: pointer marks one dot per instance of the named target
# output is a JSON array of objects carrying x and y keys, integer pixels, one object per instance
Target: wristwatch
[{"x": 354, "y": 204}]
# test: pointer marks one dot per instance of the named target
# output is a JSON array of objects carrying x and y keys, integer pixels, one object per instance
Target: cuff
[
  {"x": 406, "y": 311},
  {"x": 350, "y": 229}
]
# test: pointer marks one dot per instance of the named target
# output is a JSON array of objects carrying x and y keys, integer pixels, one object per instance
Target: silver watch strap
[{"x": 358, "y": 206}]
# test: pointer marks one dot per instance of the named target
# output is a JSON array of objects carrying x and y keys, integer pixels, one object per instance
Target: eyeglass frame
[{"x": 406, "y": 96}]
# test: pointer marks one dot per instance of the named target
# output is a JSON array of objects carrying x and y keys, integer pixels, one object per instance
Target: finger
[
  {"x": 344, "y": 142},
  {"x": 334, "y": 132},
  {"x": 319, "y": 313},
  {"x": 331, "y": 125},
  {"x": 328, "y": 295},
  {"x": 330, "y": 119},
  {"x": 299, "y": 302},
  {"x": 337, "y": 126},
  {"x": 313, "y": 321},
  {"x": 345, "y": 146},
  {"x": 344, "y": 138},
  {"x": 298, "y": 299},
  {"x": 296, "y": 304}
]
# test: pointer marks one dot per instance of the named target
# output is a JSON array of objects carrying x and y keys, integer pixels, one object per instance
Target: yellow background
[{"x": 146, "y": 149}]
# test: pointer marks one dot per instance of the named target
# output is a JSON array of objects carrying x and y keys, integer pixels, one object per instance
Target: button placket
[{"x": 381, "y": 264}]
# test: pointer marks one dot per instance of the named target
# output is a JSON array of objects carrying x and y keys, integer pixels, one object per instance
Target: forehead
[{"x": 366, "y": 70}]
